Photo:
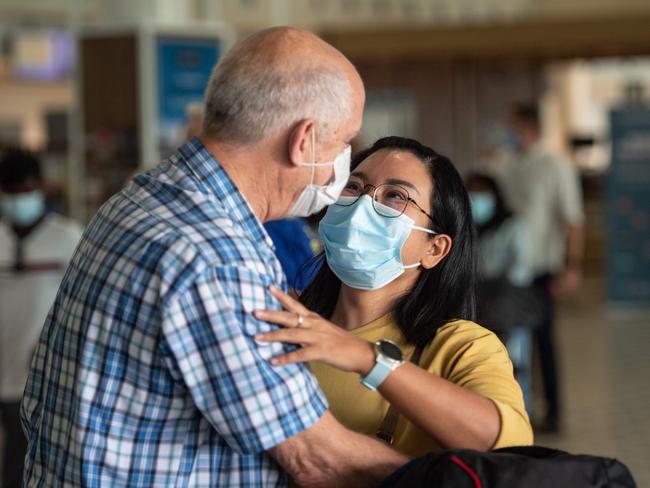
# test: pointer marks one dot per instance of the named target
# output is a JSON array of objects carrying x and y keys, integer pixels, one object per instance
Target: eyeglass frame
[{"x": 364, "y": 191}]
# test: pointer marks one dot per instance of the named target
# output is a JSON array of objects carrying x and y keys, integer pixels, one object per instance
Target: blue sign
[
  {"x": 628, "y": 207},
  {"x": 184, "y": 68}
]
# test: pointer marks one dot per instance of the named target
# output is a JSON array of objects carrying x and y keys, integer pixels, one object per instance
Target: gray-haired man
[{"x": 147, "y": 373}]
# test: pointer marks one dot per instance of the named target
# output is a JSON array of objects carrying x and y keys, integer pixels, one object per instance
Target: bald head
[
  {"x": 288, "y": 47},
  {"x": 276, "y": 78}
]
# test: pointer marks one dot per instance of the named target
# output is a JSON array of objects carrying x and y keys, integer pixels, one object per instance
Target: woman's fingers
[
  {"x": 291, "y": 336},
  {"x": 281, "y": 318},
  {"x": 287, "y": 302},
  {"x": 302, "y": 355}
]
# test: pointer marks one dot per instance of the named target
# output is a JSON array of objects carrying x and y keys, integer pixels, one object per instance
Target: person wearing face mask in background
[
  {"x": 508, "y": 305},
  {"x": 35, "y": 247},
  {"x": 543, "y": 188},
  {"x": 386, "y": 324},
  {"x": 147, "y": 372}
]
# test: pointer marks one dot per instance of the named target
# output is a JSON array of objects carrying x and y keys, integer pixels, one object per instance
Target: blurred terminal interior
[
  {"x": 96, "y": 87},
  {"x": 100, "y": 89}
]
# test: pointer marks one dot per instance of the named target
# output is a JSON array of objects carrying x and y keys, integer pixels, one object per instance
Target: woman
[
  {"x": 508, "y": 305},
  {"x": 403, "y": 204}
]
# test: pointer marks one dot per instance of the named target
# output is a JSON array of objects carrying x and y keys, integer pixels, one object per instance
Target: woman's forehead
[{"x": 395, "y": 164}]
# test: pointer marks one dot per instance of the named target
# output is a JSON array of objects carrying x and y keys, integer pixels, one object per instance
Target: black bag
[
  {"x": 502, "y": 306},
  {"x": 513, "y": 467}
]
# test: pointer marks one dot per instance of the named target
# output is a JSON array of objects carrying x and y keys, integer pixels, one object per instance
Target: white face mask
[{"x": 315, "y": 198}]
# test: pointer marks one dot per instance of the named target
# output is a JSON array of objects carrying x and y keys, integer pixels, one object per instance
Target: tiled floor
[
  {"x": 605, "y": 359},
  {"x": 606, "y": 364}
]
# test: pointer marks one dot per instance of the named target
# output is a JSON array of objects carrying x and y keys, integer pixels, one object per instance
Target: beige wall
[
  {"x": 26, "y": 103},
  {"x": 252, "y": 15},
  {"x": 586, "y": 8},
  {"x": 335, "y": 14},
  {"x": 460, "y": 104}
]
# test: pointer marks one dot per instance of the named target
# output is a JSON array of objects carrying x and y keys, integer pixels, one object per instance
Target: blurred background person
[
  {"x": 35, "y": 246},
  {"x": 543, "y": 188},
  {"x": 508, "y": 304}
]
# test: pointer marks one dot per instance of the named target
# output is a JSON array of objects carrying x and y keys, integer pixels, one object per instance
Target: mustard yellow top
[{"x": 462, "y": 352}]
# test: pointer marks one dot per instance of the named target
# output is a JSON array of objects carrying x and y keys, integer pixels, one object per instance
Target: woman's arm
[{"x": 452, "y": 415}]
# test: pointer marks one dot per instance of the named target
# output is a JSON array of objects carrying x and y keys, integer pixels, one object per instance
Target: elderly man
[{"x": 147, "y": 372}]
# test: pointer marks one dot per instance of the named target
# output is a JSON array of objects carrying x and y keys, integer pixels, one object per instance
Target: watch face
[{"x": 390, "y": 350}]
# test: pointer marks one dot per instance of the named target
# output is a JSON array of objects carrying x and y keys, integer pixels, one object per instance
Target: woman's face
[{"x": 402, "y": 168}]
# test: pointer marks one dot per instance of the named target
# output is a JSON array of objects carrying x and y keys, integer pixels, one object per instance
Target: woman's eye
[
  {"x": 353, "y": 186},
  {"x": 395, "y": 195}
]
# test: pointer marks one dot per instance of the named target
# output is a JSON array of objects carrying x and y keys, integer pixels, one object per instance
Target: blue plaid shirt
[{"x": 146, "y": 372}]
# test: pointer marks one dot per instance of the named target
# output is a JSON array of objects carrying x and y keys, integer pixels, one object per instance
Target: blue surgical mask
[
  {"x": 22, "y": 209},
  {"x": 363, "y": 248},
  {"x": 483, "y": 207}
]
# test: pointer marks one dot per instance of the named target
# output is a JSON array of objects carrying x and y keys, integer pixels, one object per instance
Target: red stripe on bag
[{"x": 468, "y": 470}]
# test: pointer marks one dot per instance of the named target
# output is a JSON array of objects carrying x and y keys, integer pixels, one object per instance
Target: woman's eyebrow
[
  {"x": 360, "y": 174},
  {"x": 405, "y": 183}
]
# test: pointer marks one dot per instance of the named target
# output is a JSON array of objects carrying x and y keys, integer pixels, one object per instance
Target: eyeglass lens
[{"x": 392, "y": 199}]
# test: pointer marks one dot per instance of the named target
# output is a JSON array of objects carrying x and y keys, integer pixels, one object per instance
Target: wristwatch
[{"x": 389, "y": 357}]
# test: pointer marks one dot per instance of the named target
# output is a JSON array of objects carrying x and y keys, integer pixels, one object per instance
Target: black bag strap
[
  {"x": 386, "y": 431},
  {"x": 19, "y": 255}
]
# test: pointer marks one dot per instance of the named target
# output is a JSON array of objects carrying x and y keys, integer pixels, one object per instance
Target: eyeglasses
[{"x": 393, "y": 199}]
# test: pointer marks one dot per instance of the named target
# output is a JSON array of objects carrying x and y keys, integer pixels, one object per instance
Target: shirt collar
[{"x": 212, "y": 177}]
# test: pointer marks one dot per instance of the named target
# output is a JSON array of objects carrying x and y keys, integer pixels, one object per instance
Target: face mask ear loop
[
  {"x": 429, "y": 231},
  {"x": 423, "y": 229}
]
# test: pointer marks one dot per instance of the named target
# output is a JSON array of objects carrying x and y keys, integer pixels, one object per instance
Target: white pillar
[{"x": 138, "y": 12}]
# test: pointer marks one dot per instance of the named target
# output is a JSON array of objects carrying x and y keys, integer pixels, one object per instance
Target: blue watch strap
[{"x": 376, "y": 376}]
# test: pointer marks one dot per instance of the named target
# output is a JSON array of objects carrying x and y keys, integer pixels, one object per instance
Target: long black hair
[
  {"x": 501, "y": 210},
  {"x": 441, "y": 294}
]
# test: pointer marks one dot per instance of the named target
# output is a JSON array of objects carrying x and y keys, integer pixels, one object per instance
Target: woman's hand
[{"x": 321, "y": 340}]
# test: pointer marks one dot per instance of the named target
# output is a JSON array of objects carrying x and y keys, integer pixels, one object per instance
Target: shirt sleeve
[
  {"x": 479, "y": 362},
  {"x": 29, "y": 406},
  {"x": 208, "y": 330},
  {"x": 569, "y": 193}
]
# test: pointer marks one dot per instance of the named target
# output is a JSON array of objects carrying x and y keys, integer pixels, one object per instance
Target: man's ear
[
  {"x": 439, "y": 248},
  {"x": 300, "y": 142}
]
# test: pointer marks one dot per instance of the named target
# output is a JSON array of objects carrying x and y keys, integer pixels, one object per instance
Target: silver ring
[{"x": 301, "y": 320}]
